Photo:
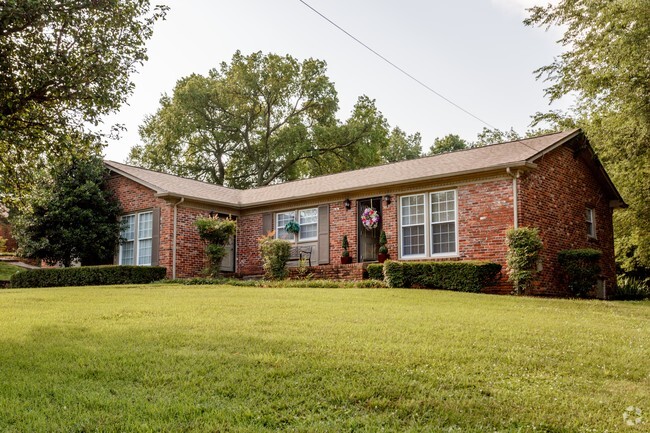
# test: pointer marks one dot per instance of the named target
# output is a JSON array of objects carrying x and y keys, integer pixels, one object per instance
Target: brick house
[{"x": 454, "y": 206}]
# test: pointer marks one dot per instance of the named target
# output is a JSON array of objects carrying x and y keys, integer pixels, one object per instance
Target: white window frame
[
  {"x": 424, "y": 224},
  {"x": 136, "y": 239},
  {"x": 296, "y": 217},
  {"x": 446, "y": 221},
  {"x": 428, "y": 238},
  {"x": 590, "y": 218},
  {"x": 312, "y": 238},
  {"x": 131, "y": 241}
]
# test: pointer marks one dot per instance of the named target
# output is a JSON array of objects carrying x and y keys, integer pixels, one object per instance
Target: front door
[{"x": 368, "y": 238}]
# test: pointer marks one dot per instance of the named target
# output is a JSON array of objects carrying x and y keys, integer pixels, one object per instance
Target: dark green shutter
[{"x": 323, "y": 235}]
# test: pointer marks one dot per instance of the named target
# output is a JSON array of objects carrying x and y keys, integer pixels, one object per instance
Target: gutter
[
  {"x": 174, "y": 240},
  {"x": 515, "y": 206}
]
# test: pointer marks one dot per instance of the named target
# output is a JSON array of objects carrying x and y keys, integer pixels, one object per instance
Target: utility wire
[
  {"x": 404, "y": 72},
  {"x": 397, "y": 67}
]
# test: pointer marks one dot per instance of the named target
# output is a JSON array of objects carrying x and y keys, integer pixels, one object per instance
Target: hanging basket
[
  {"x": 292, "y": 227},
  {"x": 370, "y": 218}
]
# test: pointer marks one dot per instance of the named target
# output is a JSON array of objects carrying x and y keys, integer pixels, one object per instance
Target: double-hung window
[
  {"x": 281, "y": 219},
  {"x": 590, "y": 218},
  {"x": 413, "y": 225},
  {"x": 443, "y": 222},
  {"x": 428, "y": 225},
  {"x": 307, "y": 219},
  {"x": 137, "y": 239}
]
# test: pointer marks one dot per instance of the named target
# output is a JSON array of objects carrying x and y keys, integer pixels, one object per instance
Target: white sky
[{"x": 477, "y": 53}]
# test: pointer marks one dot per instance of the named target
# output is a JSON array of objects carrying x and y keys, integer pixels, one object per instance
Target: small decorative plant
[
  {"x": 370, "y": 218},
  {"x": 292, "y": 227},
  {"x": 345, "y": 255},
  {"x": 383, "y": 249}
]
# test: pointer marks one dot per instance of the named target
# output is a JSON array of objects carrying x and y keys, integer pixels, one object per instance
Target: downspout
[
  {"x": 514, "y": 176},
  {"x": 174, "y": 240}
]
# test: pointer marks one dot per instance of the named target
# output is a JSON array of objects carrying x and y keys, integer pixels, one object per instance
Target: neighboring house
[{"x": 454, "y": 206}]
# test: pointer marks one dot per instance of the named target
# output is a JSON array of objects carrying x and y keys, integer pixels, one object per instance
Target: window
[
  {"x": 127, "y": 248},
  {"x": 590, "y": 217},
  {"x": 137, "y": 250},
  {"x": 307, "y": 219},
  {"x": 308, "y": 224},
  {"x": 432, "y": 233},
  {"x": 443, "y": 222},
  {"x": 413, "y": 235},
  {"x": 281, "y": 219}
]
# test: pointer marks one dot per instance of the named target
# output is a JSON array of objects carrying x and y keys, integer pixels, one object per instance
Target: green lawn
[
  {"x": 210, "y": 358},
  {"x": 7, "y": 270}
]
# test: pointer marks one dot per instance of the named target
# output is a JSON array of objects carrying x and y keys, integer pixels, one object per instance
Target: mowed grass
[
  {"x": 218, "y": 358},
  {"x": 7, "y": 270}
]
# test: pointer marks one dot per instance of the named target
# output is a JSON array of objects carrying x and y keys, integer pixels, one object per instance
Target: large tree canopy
[
  {"x": 262, "y": 119},
  {"x": 606, "y": 64},
  {"x": 71, "y": 216},
  {"x": 63, "y": 65}
]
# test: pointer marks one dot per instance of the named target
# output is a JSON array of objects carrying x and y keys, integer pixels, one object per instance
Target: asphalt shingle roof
[{"x": 467, "y": 161}]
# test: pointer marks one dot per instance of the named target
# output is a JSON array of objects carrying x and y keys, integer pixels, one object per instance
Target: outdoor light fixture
[
  {"x": 387, "y": 199},
  {"x": 347, "y": 203}
]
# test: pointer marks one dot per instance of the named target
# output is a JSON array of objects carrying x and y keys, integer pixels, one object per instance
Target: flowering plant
[
  {"x": 292, "y": 227},
  {"x": 370, "y": 218}
]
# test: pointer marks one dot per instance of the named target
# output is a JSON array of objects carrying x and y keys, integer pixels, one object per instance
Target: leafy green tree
[
  {"x": 448, "y": 143},
  {"x": 262, "y": 119},
  {"x": 63, "y": 65},
  {"x": 401, "y": 146},
  {"x": 605, "y": 65},
  {"x": 71, "y": 216},
  {"x": 492, "y": 136}
]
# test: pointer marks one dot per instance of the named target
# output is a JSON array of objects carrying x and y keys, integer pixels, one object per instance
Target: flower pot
[
  {"x": 381, "y": 258},
  {"x": 346, "y": 260}
]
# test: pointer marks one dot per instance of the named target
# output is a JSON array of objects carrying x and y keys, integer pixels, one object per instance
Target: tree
[
  {"x": 605, "y": 65},
  {"x": 448, "y": 143},
  {"x": 491, "y": 136},
  {"x": 71, "y": 216},
  {"x": 63, "y": 65},
  {"x": 262, "y": 119},
  {"x": 401, "y": 146}
]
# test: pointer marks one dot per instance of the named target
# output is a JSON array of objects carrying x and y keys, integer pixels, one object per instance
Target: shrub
[
  {"x": 375, "y": 271},
  {"x": 632, "y": 289},
  {"x": 581, "y": 268},
  {"x": 383, "y": 249},
  {"x": 345, "y": 245},
  {"x": 275, "y": 254},
  {"x": 524, "y": 247},
  {"x": 216, "y": 233},
  {"x": 467, "y": 276},
  {"x": 87, "y": 276}
]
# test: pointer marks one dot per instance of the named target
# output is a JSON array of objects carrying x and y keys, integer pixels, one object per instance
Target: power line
[{"x": 438, "y": 94}]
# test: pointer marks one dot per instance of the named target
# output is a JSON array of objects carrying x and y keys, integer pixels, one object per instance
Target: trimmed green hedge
[
  {"x": 88, "y": 276},
  {"x": 581, "y": 268},
  {"x": 375, "y": 271},
  {"x": 466, "y": 276}
]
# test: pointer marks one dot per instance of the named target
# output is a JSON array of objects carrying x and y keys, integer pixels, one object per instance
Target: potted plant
[
  {"x": 345, "y": 255},
  {"x": 383, "y": 249}
]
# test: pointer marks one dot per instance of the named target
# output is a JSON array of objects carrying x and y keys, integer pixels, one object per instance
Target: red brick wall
[
  {"x": 553, "y": 198},
  {"x": 248, "y": 258},
  {"x": 343, "y": 222},
  {"x": 190, "y": 256}
]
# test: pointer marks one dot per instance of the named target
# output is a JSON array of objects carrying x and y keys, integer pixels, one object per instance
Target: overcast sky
[{"x": 476, "y": 53}]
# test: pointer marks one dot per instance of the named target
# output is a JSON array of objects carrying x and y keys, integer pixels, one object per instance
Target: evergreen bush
[
  {"x": 87, "y": 276},
  {"x": 275, "y": 255},
  {"x": 216, "y": 233},
  {"x": 466, "y": 276},
  {"x": 581, "y": 268},
  {"x": 524, "y": 247}
]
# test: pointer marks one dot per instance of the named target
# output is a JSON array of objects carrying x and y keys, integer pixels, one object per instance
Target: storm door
[{"x": 368, "y": 237}]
